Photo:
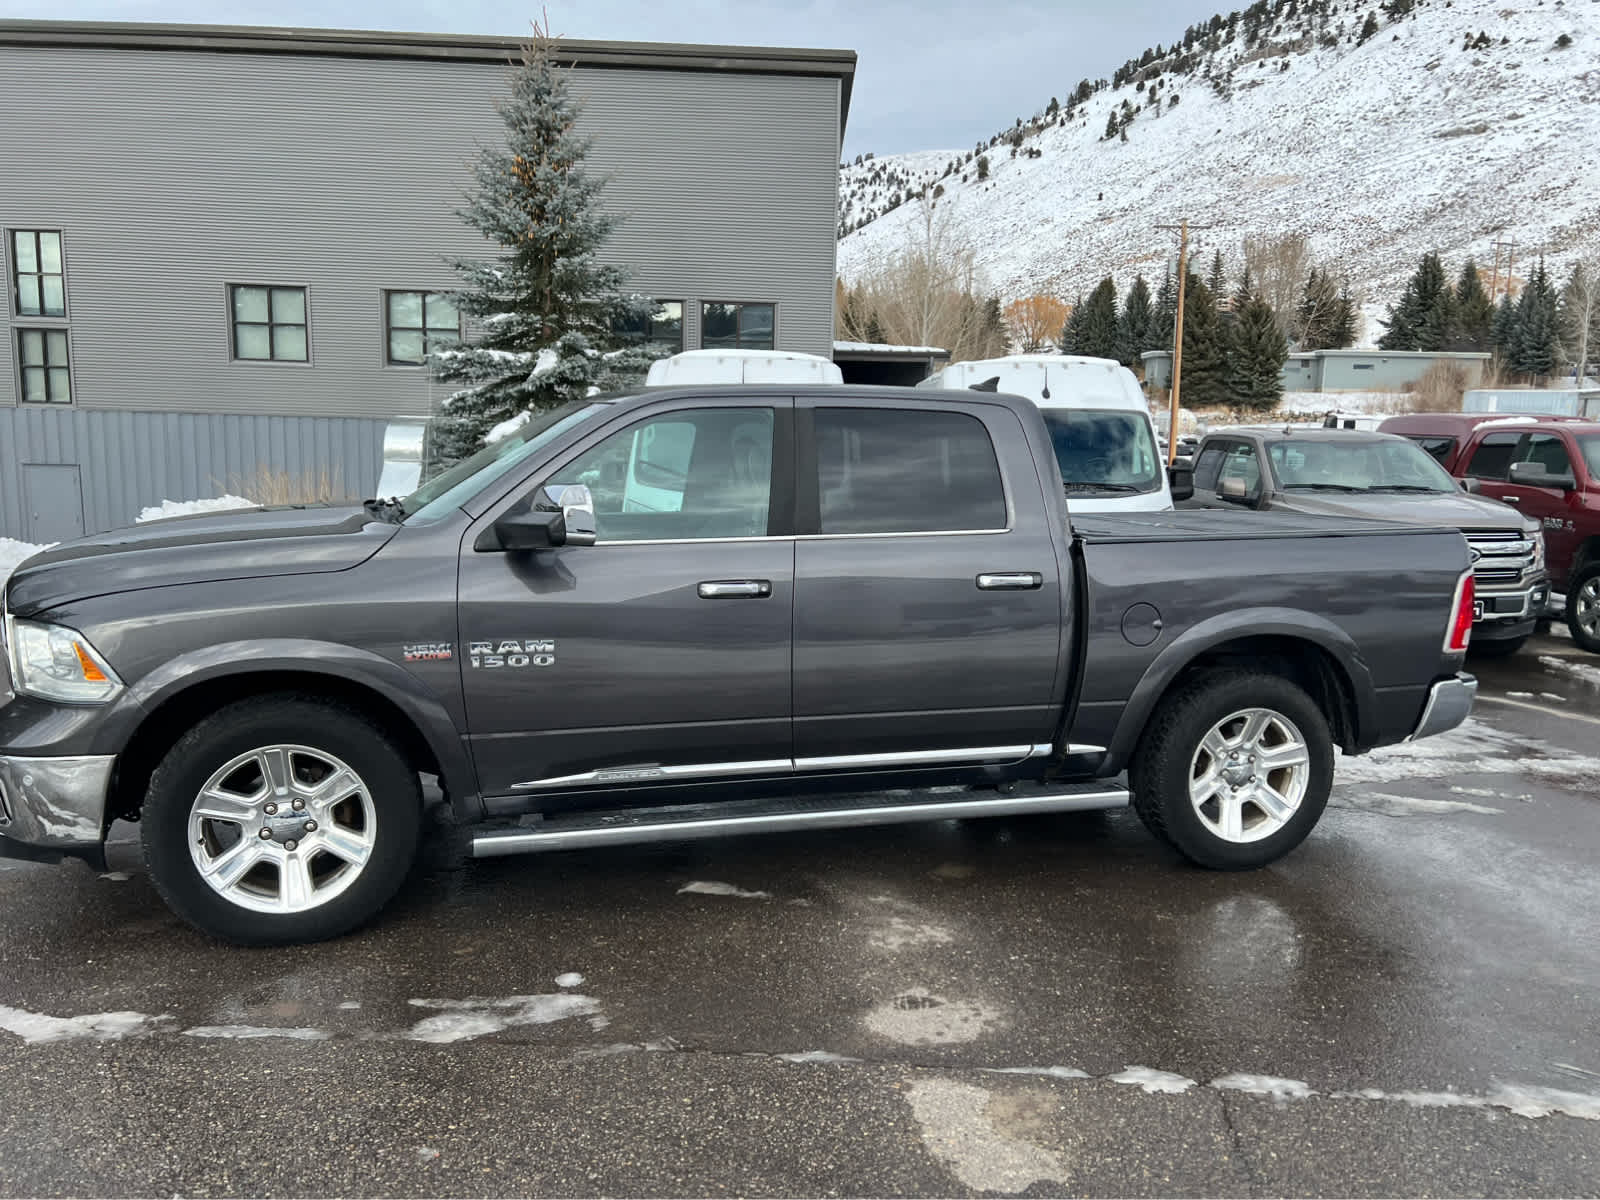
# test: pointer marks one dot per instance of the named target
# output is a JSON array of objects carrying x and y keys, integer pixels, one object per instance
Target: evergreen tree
[
  {"x": 1474, "y": 311},
  {"x": 1166, "y": 314},
  {"x": 1345, "y": 325},
  {"x": 1217, "y": 280},
  {"x": 1072, "y": 331},
  {"x": 548, "y": 307},
  {"x": 1312, "y": 328},
  {"x": 993, "y": 336},
  {"x": 1097, "y": 335},
  {"x": 1439, "y": 323},
  {"x": 1536, "y": 348},
  {"x": 1112, "y": 126},
  {"x": 1409, "y": 321},
  {"x": 1136, "y": 324},
  {"x": 1258, "y": 350},
  {"x": 1204, "y": 382},
  {"x": 1503, "y": 333}
]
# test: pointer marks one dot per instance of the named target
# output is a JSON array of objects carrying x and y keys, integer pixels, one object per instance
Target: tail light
[{"x": 1460, "y": 631}]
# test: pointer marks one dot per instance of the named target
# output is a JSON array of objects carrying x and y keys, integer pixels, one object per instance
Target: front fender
[
  {"x": 1228, "y": 627},
  {"x": 423, "y": 707}
]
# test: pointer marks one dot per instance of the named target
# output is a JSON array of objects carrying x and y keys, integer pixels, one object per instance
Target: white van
[
  {"x": 698, "y": 367},
  {"x": 1104, "y": 439}
]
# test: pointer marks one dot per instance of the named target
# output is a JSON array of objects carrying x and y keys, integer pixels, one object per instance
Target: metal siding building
[{"x": 177, "y": 161}]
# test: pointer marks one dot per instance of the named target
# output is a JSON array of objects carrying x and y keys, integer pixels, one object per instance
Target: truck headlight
[
  {"x": 53, "y": 662},
  {"x": 1538, "y": 549}
]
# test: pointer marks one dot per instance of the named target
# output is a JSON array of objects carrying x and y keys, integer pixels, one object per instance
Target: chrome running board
[{"x": 682, "y": 823}]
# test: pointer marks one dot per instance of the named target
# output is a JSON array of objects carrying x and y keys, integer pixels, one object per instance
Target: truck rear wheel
[
  {"x": 1234, "y": 769},
  {"x": 281, "y": 819},
  {"x": 1583, "y": 608}
]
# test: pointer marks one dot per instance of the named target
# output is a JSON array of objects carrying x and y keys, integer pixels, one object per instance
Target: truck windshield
[
  {"x": 1100, "y": 450},
  {"x": 1590, "y": 445},
  {"x": 435, "y": 499},
  {"x": 1358, "y": 466}
]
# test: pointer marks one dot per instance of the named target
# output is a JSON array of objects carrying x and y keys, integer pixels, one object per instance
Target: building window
[
  {"x": 269, "y": 323},
  {"x": 46, "y": 374},
  {"x": 418, "y": 324},
  {"x": 38, "y": 284},
  {"x": 737, "y": 326},
  {"x": 661, "y": 331},
  {"x": 1362, "y": 366}
]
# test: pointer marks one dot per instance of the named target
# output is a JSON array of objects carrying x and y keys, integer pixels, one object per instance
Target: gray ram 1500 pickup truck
[{"x": 685, "y": 612}]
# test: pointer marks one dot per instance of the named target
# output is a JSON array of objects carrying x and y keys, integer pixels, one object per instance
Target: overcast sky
[{"x": 933, "y": 75}]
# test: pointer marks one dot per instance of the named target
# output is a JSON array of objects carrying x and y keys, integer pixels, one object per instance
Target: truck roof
[
  {"x": 1307, "y": 433},
  {"x": 1461, "y": 424}
]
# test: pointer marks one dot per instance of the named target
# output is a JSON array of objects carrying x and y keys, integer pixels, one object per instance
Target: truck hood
[
  {"x": 1459, "y": 510},
  {"x": 241, "y": 544}
]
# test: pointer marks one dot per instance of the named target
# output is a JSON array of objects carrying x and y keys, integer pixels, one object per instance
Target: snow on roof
[{"x": 885, "y": 348}]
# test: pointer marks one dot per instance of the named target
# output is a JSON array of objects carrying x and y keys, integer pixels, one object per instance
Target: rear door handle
[
  {"x": 735, "y": 589},
  {"x": 1010, "y": 581}
]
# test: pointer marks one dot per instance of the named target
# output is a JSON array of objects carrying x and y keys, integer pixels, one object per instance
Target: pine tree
[
  {"x": 1097, "y": 335},
  {"x": 1112, "y": 127},
  {"x": 1536, "y": 348},
  {"x": 1312, "y": 328},
  {"x": 1439, "y": 323},
  {"x": 1503, "y": 333},
  {"x": 1072, "y": 331},
  {"x": 1344, "y": 327},
  {"x": 993, "y": 336},
  {"x": 548, "y": 307},
  {"x": 1474, "y": 310},
  {"x": 1205, "y": 366},
  {"x": 1217, "y": 280},
  {"x": 1409, "y": 321},
  {"x": 1135, "y": 325},
  {"x": 1166, "y": 314},
  {"x": 1257, "y": 353}
]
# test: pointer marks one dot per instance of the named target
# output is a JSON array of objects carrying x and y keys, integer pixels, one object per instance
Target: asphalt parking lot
[{"x": 1406, "y": 1005}]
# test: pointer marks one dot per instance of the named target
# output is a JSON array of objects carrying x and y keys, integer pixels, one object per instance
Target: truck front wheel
[
  {"x": 1583, "y": 608},
  {"x": 1234, "y": 769},
  {"x": 281, "y": 819}
]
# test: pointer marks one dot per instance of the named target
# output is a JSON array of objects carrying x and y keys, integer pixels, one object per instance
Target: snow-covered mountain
[{"x": 1454, "y": 123}]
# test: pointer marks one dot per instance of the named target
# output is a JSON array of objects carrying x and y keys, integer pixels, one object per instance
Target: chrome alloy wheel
[
  {"x": 282, "y": 829},
  {"x": 1248, "y": 777},
  {"x": 1587, "y": 608}
]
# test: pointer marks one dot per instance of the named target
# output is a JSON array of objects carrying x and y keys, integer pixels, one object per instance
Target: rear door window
[
  {"x": 1549, "y": 451},
  {"x": 1439, "y": 447},
  {"x": 906, "y": 471},
  {"x": 1492, "y": 458}
]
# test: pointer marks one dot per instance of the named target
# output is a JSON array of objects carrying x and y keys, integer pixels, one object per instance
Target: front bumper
[
  {"x": 50, "y": 807},
  {"x": 1504, "y": 615},
  {"x": 1449, "y": 704}
]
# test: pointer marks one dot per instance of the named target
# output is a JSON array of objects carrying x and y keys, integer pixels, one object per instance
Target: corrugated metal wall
[
  {"x": 174, "y": 174},
  {"x": 130, "y": 460}
]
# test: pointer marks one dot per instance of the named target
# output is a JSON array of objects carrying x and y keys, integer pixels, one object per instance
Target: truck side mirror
[
  {"x": 1531, "y": 474},
  {"x": 1181, "y": 481},
  {"x": 1471, "y": 485},
  {"x": 558, "y": 516},
  {"x": 577, "y": 509}
]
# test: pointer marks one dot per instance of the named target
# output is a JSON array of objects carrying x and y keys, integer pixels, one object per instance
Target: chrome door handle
[
  {"x": 1509, "y": 499},
  {"x": 1010, "y": 581},
  {"x": 734, "y": 589}
]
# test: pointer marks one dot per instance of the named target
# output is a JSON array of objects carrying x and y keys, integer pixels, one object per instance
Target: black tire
[
  {"x": 1584, "y": 575},
  {"x": 287, "y": 719},
  {"x": 1161, "y": 766},
  {"x": 1502, "y": 648}
]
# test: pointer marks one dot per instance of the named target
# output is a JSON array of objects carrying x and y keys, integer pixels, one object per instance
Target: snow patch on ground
[
  {"x": 1152, "y": 1080},
  {"x": 817, "y": 1056},
  {"x": 475, "y": 1017},
  {"x": 1051, "y": 1072},
  {"x": 898, "y": 933},
  {"x": 960, "y": 1129},
  {"x": 349, "y": 1005},
  {"x": 919, "y": 1018},
  {"x": 569, "y": 979},
  {"x": 188, "y": 508},
  {"x": 1582, "y": 672},
  {"x": 1473, "y": 748},
  {"x": 1387, "y": 805},
  {"x": 257, "y": 1031},
  {"x": 1264, "y": 1085},
  {"x": 38, "y": 1028},
  {"x": 710, "y": 887}
]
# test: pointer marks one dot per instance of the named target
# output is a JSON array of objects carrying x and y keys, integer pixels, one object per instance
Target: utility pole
[
  {"x": 1183, "y": 228},
  {"x": 1508, "y": 247}
]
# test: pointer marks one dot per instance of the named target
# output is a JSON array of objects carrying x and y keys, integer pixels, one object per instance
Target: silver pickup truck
[{"x": 683, "y": 613}]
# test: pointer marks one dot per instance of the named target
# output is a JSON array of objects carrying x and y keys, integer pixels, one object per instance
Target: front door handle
[
  {"x": 1509, "y": 499},
  {"x": 1010, "y": 581},
  {"x": 735, "y": 589}
]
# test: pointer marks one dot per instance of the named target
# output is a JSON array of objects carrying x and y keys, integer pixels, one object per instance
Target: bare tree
[
  {"x": 1037, "y": 321},
  {"x": 1580, "y": 313},
  {"x": 1279, "y": 266}
]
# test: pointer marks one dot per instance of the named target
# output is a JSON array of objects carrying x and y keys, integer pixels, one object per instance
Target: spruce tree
[
  {"x": 1315, "y": 314},
  {"x": 1417, "y": 315},
  {"x": 548, "y": 307},
  {"x": 1503, "y": 333},
  {"x": 1166, "y": 314},
  {"x": 1073, "y": 329},
  {"x": 1474, "y": 310},
  {"x": 1217, "y": 280},
  {"x": 1257, "y": 353},
  {"x": 1204, "y": 382},
  {"x": 1097, "y": 334},
  {"x": 1136, "y": 323},
  {"x": 1536, "y": 347},
  {"x": 1439, "y": 324},
  {"x": 1345, "y": 325}
]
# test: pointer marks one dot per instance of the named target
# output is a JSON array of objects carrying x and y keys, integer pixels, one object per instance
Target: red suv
[{"x": 1549, "y": 468}]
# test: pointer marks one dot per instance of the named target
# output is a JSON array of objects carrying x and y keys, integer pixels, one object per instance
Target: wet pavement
[{"x": 1406, "y": 1005}]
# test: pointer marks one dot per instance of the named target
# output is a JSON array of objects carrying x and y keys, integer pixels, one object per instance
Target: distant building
[
  {"x": 1342, "y": 370},
  {"x": 225, "y": 248},
  {"x": 897, "y": 366},
  {"x": 1561, "y": 402}
]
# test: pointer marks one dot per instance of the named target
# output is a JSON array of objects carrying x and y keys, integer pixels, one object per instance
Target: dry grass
[
  {"x": 1440, "y": 389},
  {"x": 268, "y": 486}
]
